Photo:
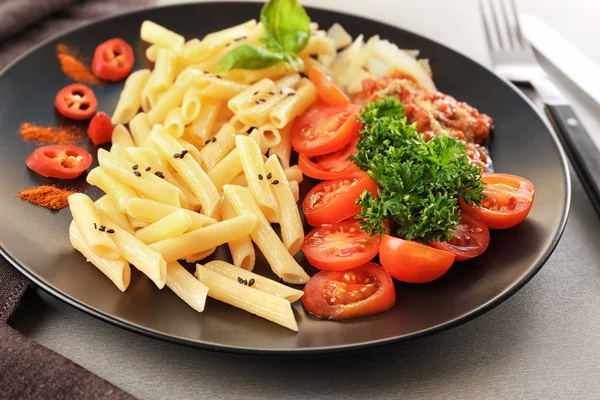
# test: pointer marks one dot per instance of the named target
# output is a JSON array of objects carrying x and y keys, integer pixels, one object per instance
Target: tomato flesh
[
  {"x": 471, "y": 238},
  {"x": 413, "y": 262},
  {"x": 506, "y": 203},
  {"x": 62, "y": 162},
  {"x": 329, "y": 166},
  {"x": 113, "y": 60},
  {"x": 364, "y": 290},
  {"x": 100, "y": 129},
  {"x": 335, "y": 200},
  {"x": 339, "y": 246},
  {"x": 326, "y": 89},
  {"x": 76, "y": 101},
  {"x": 325, "y": 128}
]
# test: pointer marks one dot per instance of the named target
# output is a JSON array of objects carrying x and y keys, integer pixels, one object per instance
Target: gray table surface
[{"x": 543, "y": 343}]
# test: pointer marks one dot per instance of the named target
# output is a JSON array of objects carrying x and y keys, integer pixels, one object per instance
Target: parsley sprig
[{"x": 419, "y": 181}]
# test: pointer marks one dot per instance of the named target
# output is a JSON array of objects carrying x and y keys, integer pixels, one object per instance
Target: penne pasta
[
  {"x": 94, "y": 234},
  {"x": 190, "y": 105},
  {"x": 104, "y": 205},
  {"x": 173, "y": 225},
  {"x": 200, "y": 256},
  {"x": 144, "y": 258},
  {"x": 292, "y": 232},
  {"x": 283, "y": 150},
  {"x": 217, "y": 87},
  {"x": 295, "y": 104},
  {"x": 242, "y": 250},
  {"x": 293, "y": 173},
  {"x": 121, "y": 137},
  {"x": 186, "y": 287},
  {"x": 170, "y": 99},
  {"x": 222, "y": 143},
  {"x": 118, "y": 192},
  {"x": 175, "y": 122},
  {"x": 140, "y": 128},
  {"x": 116, "y": 270},
  {"x": 259, "y": 282},
  {"x": 264, "y": 305},
  {"x": 202, "y": 128},
  {"x": 295, "y": 188},
  {"x": 280, "y": 260},
  {"x": 202, "y": 239},
  {"x": 248, "y": 97},
  {"x": 159, "y": 35},
  {"x": 130, "y": 99},
  {"x": 270, "y": 135},
  {"x": 136, "y": 224},
  {"x": 152, "y": 211},
  {"x": 152, "y": 52},
  {"x": 254, "y": 170},
  {"x": 160, "y": 80}
]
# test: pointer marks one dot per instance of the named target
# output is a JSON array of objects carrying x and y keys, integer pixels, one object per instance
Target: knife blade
[{"x": 564, "y": 55}]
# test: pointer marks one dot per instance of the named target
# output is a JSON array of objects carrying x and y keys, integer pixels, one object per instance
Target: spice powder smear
[
  {"x": 73, "y": 66},
  {"x": 48, "y": 134},
  {"x": 48, "y": 196}
]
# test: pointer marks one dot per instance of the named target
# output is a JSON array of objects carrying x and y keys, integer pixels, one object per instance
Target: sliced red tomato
[
  {"x": 326, "y": 89},
  {"x": 113, "y": 60},
  {"x": 60, "y": 161},
  {"x": 413, "y": 262},
  {"x": 329, "y": 166},
  {"x": 471, "y": 238},
  {"x": 339, "y": 246},
  {"x": 76, "y": 101},
  {"x": 335, "y": 200},
  {"x": 324, "y": 129},
  {"x": 507, "y": 201},
  {"x": 364, "y": 290},
  {"x": 100, "y": 129}
]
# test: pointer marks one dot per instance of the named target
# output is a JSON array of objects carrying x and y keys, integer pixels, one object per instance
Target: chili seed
[
  {"x": 251, "y": 282},
  {"x": 275, "y": 182},
  {"x": 138, "y": 174},
  {"x": 111, "y": 231},
  {"x": 135, "y": 167},
  {"x": 269, "y": 175},
  {"x": 240, "y": 280},
  {"x": 148, "y": 169},
  {"x": 260, "y": 177}
]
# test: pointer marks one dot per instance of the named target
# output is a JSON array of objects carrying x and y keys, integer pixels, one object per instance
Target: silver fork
[{"x": 513, "y": 58}]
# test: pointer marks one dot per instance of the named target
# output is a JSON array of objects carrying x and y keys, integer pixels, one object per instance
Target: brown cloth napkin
[{"x": 27, "y": 369}]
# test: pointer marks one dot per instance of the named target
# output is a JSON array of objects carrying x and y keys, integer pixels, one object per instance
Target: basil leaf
[
  {"x": 286, "y": 23},
  {"x": 248, "y": 57}
]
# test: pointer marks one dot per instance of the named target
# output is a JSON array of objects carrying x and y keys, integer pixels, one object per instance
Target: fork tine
[
  {"x": 508, "y": 17},
  {"x": 517, "y": 25},
  {"x": 498, "y": 18},
  {"x": 486, "y": 24}
]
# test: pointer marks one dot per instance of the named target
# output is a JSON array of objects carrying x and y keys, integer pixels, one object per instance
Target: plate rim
[{"x": 478, "y": 311}]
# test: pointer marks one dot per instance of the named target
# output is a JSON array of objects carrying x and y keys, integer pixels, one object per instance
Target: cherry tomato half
[
  {"x": 339, "y": 246},
  {"x": 364, "y": 290},
  {"x": 76, "y": 101},
  {"x": 100, "y": 129},
  {"x": 507, "y": 201},
  {"x": 324, "y": 129},
  {"x": 113, "y": 60},
  {"x": 335, "y": 200},
  {"x": 471, "y": 238},
  {"x": 62, "y": 162},
  {"x": 326, "y": 89},
  {"x": 413, "y": 262},
  {"x": 329, "y": 166}
]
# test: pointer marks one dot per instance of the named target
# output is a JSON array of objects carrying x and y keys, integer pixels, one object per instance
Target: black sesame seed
[
  {"x": 206, "y": 72},
  {"x": 111, "y": 231},
  {"x": 245, "y": 282},
  {"x": 138, "y": 174},
  {"x": 95, "y": 226},
  {"x": 269, "y": 175},
  {"x": 158, "y": 173},
  {"x": 102, "y": 228},
  {"x": 272, "y": 93},
  {"x": 218, "y": 76},
  {"x": 257, "y": 102},
  {"x": 240, "y": 280},
  {"x": 176, "y": 155},
  {"x": 148, "y": 169},
  {"x": 207, "y": 141},
  {"x": 213, "y": 139},
  {"x": 250, "y": 129},
  {"x": 228, "y": 44},
  {"x": 263, "y": 100},
  {"x": 260, "y": 177},
  {"x": 184, "y": 152},
  {"x": 255, "y": 93},
  {"x": 251, "y": 282},
  {"x": 275, "y": 182},
  {"x": 135, "y": 167}
]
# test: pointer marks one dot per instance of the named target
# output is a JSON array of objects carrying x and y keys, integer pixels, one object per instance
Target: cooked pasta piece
[
  {"x": 137, "y": 223},
  {"x": 264, "y": 305},
  {"x": 140, "y": 128},
  {"x": 248, "y": 97},
  {"x": 202, "y": 239},
  {"x": 283, "y": 150},
  {"x": 154, "y": 33},
  {"x": 92, "y": 231},
  {"x": 188, "y": 169},
  {"x": 153, "y": 211},
  {"x": 242, "y": 250},
  {"x": 280, "y": 260},
  {"x": 169, "y": 100},
  {"x": 254, "y": 170},
  {"x": 270, "y": 134},
  {"x": 118, "y": 192},
  {"x": 295, "y": 104},
  {"x": 220, "y": 145},
  {"x": 116, "y": 270},
  {"x": 152, "y": 52},
  {"x": 104, "y": 205},
  {"x": 200, "y": 256},
  {"x": 292, "y": 232},
  {"x": 255, "y": 281},
  {"x": 215, "y": 42},
  {"x": 202, "y": 128},
  {"x": 130, "y": 99},
  {"x": 190, "y": 105},
  {"x": 293, "y": 173},
  {"x": 217, "y": 87},
  {"x": 143, "y": 182},
  {"x": 173, "y": 225},
  {"x": 175, "y": 122},
  {"x": 160, "y": 80},
  {"x": 142, "y": 256},
  {"x": 122, "y": 137},
  {"x": 186, "y": 287}
]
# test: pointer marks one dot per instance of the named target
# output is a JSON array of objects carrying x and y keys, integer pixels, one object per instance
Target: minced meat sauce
[{"x": 435, "y": 113}]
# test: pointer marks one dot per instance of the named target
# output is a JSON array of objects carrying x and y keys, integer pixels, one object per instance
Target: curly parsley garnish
[{"x": 419, "y": 182}]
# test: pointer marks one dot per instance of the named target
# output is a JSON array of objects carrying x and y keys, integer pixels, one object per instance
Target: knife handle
[{"x": 580, "y": 148}]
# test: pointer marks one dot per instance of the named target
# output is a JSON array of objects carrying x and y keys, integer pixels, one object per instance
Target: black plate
[{"x": 36, "y": 241}]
